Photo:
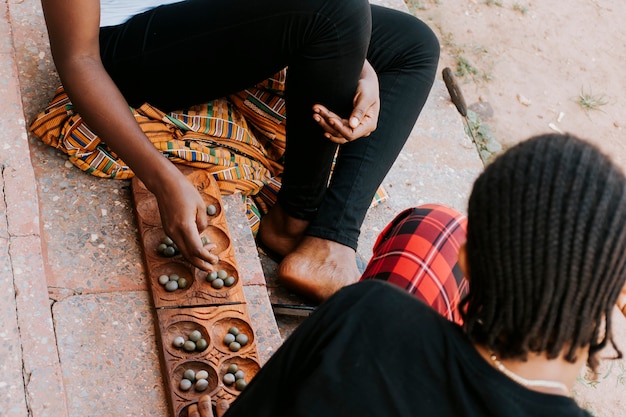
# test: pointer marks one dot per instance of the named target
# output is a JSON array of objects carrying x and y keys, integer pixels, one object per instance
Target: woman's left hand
[{"x": 364, "y": 117}]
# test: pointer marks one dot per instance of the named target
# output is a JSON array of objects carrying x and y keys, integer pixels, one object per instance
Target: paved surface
[{"x": 76, "y": 324}]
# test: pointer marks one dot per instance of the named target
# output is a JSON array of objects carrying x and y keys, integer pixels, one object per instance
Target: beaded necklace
[{"x": 534, "y": 383}]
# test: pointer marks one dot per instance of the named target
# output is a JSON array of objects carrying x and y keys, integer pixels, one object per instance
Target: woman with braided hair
[{"x": 545, "y": 259}]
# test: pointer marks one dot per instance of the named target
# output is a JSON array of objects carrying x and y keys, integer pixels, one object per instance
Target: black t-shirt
[{"x": 374, "y": 350}]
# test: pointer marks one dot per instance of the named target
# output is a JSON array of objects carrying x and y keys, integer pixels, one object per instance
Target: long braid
[{"x": 546, "y": 249}]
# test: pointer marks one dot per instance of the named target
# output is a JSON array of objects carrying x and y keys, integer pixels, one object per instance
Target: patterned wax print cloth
[
  {"x": 418, "y": 251},
  {"x": 239, "y": 139}
]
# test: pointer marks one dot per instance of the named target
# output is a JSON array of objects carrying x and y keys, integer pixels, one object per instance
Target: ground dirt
[{"x": 530, "y": 67}]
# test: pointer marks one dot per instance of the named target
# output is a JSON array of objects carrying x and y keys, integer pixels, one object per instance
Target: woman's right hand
[
  {"x": 73, "y": 29},
  {"x": 184, "y": 217}
]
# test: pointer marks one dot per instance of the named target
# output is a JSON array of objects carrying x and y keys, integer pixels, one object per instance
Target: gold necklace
[{"x": 534, "y": 383}]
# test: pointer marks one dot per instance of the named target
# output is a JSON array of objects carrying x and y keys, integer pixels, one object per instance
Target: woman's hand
[
  {"x": 204, "y": 409},
  {"x": 184, "y": 217},
  {"x": 364, "y": 117}
]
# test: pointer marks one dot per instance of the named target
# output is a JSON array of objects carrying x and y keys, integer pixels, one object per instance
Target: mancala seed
[
  {"x": 232, "y": 368},
  {"x": 229, "y": 338},
  {"x": 202, "y": 375},
  {"x": 189, "y": 374},
  {"x": 229, "y": 282},
  {"x": 240, "y": 374},
  {"x": 234, "y": 347},
  {"x": 240, "y": 384},
  {"x": 222, "y": 274},
  {"x": 171, "y": 286},
  {"x": 184, "y": 384},
  {"x": 195, "y": 335},
  {"x": 189, "y": 346},
  {"x": 217, "y": 283},
  {"x": 182, "y": 283},
  {"x": 202, "y": 384},
  {"x": 179, "y": 341},
  {"x": 233, "y": 330},
  {"x": 169, "y": 251},
  {"x": 242, "y": 339},
  {"x": 229, "y": 379},
  {"x": 164, "y": 279},
  {"x": 211, "y": 276},
  {"x": 211, "y": 210},
  {"x": 174, "y": 277},
  {"x": 201, "y": 345}
]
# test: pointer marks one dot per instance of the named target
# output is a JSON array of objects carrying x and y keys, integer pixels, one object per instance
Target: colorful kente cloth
[{"x": 239, "y": 139}]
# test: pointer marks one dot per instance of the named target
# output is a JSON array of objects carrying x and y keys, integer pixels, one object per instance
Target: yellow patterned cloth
[{"x": 239, "y": 139}]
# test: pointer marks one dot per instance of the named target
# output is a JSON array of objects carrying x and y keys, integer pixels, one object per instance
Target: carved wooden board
[{"x": 199, "y": 306}]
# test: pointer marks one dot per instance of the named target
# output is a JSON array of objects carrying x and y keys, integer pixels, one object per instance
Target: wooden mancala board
[{"x": 199, "y": 313}]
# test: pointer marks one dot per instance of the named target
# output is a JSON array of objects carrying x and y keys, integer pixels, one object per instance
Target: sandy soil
[
  {"x": 530, "y": 67},
  {"x": 539, "y": 65}
]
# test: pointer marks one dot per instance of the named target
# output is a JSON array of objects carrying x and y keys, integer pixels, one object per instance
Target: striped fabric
[
  {"x": 239, "y": 139},
  {"x": 418, "y": 251}
]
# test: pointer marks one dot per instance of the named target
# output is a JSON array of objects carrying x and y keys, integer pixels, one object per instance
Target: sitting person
[
  {"x": 545, "y": 262},
  {"x": 358, "y": 76}
]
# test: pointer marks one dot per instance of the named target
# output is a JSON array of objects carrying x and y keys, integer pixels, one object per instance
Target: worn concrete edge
[{"x": 43, "y": 386}]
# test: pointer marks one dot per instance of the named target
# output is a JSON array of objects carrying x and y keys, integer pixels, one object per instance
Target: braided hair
[{"x": 546, "y": 250}]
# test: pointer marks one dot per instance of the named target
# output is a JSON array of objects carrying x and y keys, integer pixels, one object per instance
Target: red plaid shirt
[{"x": 418, "y": 251}]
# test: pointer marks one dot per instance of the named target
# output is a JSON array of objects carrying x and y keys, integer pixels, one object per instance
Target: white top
[{"x": 115, "y": 12}]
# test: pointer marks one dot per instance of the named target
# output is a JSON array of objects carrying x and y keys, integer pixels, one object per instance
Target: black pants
[{"x": 191, "y": 52}]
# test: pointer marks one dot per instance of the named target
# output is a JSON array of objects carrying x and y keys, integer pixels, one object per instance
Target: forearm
[{"x": 107, "y": 113}]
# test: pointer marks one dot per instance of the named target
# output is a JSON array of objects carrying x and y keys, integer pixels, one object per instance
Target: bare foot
[
  {"x": 280, "y": 232},
  {"x": 318, "y": 268}
]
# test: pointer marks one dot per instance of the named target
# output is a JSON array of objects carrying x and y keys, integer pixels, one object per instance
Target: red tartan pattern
[{"x": 418, "y": 251}]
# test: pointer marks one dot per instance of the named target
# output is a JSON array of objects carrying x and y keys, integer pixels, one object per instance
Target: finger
[
  {"x": 193, "y": 411},
  {"x": 357, "y": 115},
  {"x": 221, "y": 407},
  {"x": 205, "y": 407}
]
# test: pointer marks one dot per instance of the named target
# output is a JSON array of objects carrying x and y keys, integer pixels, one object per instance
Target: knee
[{"x": 423, "y": 45}]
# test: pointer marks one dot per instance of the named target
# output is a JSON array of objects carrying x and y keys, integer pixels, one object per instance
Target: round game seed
[
  {"x": 190, "y": 375},
  {"x": 202, "y": 384},
  {"x": 169, "y": 251},
  {"x": 233, "y": 330},
  {"x": 189, "y": 346},
  {"x": 171, "y": 286},
  {"x": 164, "y": 279},
  {"x": 234, "y": 347},
  {"x": 229, "y": 282},
  {"x": 212, "y": 276},
  {"x": 185, "y": 384},
  {"x": 240, "y": 384},
  {"x": 211, "y": 210},
  {"x": 217, "y": 283},
  {"x": 195, "y": 336},
  {"x": 174, "y": 277},
  {"x": 182, "y": 283},
  {"x": 202, "y": 375},
  {"x": 179, "y": 341},
  {"x": 167, "y": 240},
  {"x": 229, "y": 379},
  {"x": 242, "y": 339},
  {"x": 240, "y": 374},
  {"x": 229, "y": 338},
  {"x": 201, "y": 345},
  {"x": 222, "y": 274},
  {"x": 161, "y": 248},
  {"x": 232, "y": 368}
]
